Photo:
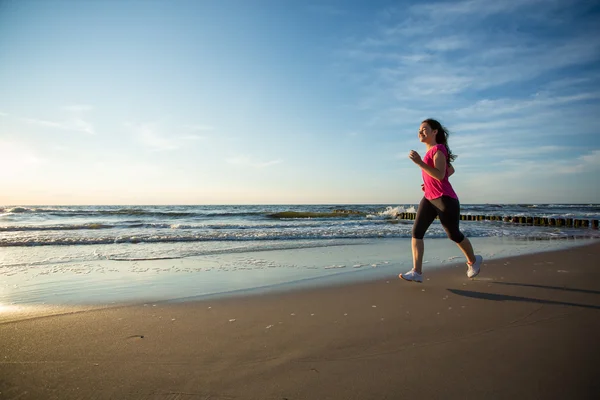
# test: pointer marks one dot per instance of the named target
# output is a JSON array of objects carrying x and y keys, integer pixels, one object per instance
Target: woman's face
[{"x": 426, "y": 135}]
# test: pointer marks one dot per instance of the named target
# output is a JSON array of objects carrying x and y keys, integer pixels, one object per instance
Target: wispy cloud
[
  {"x": 150, "y": 136},
  {"x": 196, "y": 132},
  {"x": 586, "y": 163},
  {"x": 158, "y": 137},
  {"x": 247, "y": 161},
  {"x": 503, "y": 106},
  {"x": 447, "y": 43},
  {"x": 193, "y": 137},
  {"x": 78, "y": 108},
  {"x": 440, "y": 51},
  {"x": 524, "y": 179},
  {"x": 481, "y": 8},
  {"x": 525, "y": 165},
  {"x": 511, "y": 79},
  {"x": 199, "y": 128},
  {"x": 71, "y": 124}
]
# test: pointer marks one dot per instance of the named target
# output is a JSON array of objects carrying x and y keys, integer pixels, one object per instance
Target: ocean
[{"x": 44, "y": 249}]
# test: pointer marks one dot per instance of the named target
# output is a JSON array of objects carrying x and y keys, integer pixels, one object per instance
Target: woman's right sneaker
[
  {"x": 412, "y": 276},
  {"x": 473, "y": 269}
]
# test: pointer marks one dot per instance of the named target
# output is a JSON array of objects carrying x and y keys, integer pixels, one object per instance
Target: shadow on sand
[
  {"x": 503, "y": 297},
  {"x": 548, "y": 287}
]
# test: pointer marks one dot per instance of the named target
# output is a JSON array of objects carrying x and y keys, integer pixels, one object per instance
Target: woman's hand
[
  {"x": 437, "y": 171},
  {"x": 415, "y": 157}
]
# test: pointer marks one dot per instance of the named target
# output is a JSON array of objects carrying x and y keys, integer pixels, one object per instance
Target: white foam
[
  {"x": 388, "y": 213},
  {"x": 335, "y": 266}
]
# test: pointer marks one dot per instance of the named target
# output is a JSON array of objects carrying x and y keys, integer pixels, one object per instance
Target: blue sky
[{"x": 239, "y": 102}]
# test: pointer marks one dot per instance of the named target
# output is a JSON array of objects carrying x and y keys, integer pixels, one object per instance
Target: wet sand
[{"x": 526, "y": 328}]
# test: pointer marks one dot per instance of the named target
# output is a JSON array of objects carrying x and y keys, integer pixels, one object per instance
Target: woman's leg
[
  {"x": 418, "y": 248},
  {"x": 426, "y": 213},
  {"x": 467, "y": 249},
  {"x": 449, "y": 213}
]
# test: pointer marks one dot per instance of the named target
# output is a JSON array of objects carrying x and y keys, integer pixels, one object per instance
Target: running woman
[{"x": 439, "y": 200}]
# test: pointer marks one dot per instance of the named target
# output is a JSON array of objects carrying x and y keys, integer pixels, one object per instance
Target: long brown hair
[{"x": 441, "y": 137}]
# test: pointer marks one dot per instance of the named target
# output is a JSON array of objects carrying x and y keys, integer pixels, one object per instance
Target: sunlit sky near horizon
[{"x": 286, "y": 102}]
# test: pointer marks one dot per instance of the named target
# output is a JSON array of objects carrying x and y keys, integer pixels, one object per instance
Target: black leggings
[{"x": 447, "y": 208}]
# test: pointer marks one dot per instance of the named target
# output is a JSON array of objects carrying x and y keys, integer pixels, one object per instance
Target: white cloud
[
  {"x": 71, "y": 124},
  {"x": 150, "y": 136},
  {"x": 74, "y": 122},
  {"x": 193, "y": 137},
  {"x": 552, "y": 179},
  {"x": 521, "y": 162},
  {"x": 593, "y": 158},
  {"x": 529, "y": 152},
  {"x": 78, "y": 108},
  {"x": 500, "y": 89},
  {"x": 502, "y": 106},
  {"x": 197, "y": 132},
  {"x": 247, "y": 161},
  {"x": 203, "y": 128},
  {"x": 585, "y": 163},
  {"x": 579, "y": 82},
  {"x": 481, "y": 8},
  {"x": 154, "y": 135},
  {"x": 80, "y": 125},
  {"x": 447, "y": 43},
  {"x": 406, "y": 61}
]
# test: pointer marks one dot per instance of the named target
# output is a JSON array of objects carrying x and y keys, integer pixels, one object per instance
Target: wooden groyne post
[{"x": 523, "y": 220}]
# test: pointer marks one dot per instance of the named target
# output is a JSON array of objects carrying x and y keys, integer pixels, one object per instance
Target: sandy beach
[
  {"x": 215, "y": 200},
  {"x": 526, "y": 328}
]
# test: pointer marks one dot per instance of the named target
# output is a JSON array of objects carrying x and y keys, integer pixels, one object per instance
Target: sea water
[{"x": 113, "y": 254}]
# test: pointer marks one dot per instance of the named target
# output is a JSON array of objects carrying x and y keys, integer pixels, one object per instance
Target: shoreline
[
  {"x": 248, "y": 273},
  {"x": 518, "y": 330},
  {"x": 112, "y": 282},
  {"x": 17, "y": 312}
]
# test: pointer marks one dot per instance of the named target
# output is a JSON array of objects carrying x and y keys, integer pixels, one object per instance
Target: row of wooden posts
[{"x": 536, "y": 221}]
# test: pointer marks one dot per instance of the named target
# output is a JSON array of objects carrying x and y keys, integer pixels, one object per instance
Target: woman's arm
[
  {"x": 450, "y": 170},
  {"x": 438, "y": 171}
]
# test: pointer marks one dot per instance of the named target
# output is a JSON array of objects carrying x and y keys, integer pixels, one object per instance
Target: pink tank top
[{"x": 434, "y": 188}]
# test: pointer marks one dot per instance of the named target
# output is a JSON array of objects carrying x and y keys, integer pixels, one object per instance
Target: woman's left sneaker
[
  {"x": 473, "y": 269},
  {"x": 412, "y": 276}
]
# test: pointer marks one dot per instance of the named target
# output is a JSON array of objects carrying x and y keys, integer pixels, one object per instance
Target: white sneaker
[
  {"x": 412, "y": 276},
  {"x": 473, "y": 269}
]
